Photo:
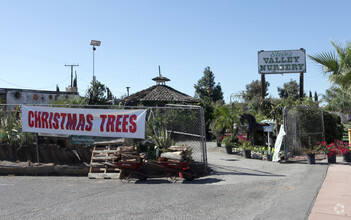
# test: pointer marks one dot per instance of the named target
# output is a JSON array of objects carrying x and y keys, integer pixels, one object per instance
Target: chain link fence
[
  {"x": 304, "y": 128},
  {"x": 183, "y": 124}
]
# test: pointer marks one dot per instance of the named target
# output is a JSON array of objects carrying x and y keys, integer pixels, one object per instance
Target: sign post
[{"x": 279, "y": 62}]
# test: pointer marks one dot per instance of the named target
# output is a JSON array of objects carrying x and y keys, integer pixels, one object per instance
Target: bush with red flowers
[
  {"x": 343, "y": 147},
  {"x": 335, "y": 147}
]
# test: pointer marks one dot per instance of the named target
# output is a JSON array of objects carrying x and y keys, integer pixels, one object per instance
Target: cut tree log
[
  {"x": 178, "y": 148},
  {"x": 177, "y": 155},
  {"x": 126, "y": 148}
]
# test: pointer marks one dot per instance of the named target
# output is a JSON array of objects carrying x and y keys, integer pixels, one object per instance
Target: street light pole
[
  {"x": 94, "y": 64},
  {"x": 128, "y": 87},
  {"x": 94, "y": 43}
]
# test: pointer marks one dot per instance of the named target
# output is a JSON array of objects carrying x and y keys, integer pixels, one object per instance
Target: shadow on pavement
[
  {"x": 229, "y": 170},
  {"x": 178, "y": 180}
]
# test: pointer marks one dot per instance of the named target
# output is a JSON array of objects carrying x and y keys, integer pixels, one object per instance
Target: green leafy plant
[
  {"x": 225, "y": 117},
  {"x": 161, "y": 137},
  {"x": 228, "y": 141},
  {"x": 247, "y": 145},
  {"x": 309, "y": 150},
  {"x": 10, "y": 127}
]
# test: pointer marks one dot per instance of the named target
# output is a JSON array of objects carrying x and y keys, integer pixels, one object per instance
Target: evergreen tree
[
  {"x": 75, "y": 80},
  {"x": 290, "y": 90},
  {"x": 315, "y": 97},
  {"x": 253, "y": 91},
  {"x": 206, "y": 88},
  {"x": 98, "y": 94}
]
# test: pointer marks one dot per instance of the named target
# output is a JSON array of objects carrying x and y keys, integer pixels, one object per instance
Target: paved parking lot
[{"x": 237, "y": 188}]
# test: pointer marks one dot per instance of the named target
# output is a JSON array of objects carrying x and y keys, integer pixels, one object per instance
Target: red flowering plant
[
  {"x": 245, "y": 144},
  {"x": 242, "y": 139},
  {"x": 309, "y": 150},
  {"x": 335, "y": 147},
  {"x": 332, "y": 148},
  {"x": 322, "y": 147},
  {"x": 343, "y": 147}
]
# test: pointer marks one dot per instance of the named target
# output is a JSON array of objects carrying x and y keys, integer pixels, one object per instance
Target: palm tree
[
  {"x": 336, "y": 66},
  {"x": 224, "y": 118}
]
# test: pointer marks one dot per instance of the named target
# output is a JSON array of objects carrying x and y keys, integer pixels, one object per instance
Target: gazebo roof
[
  {"x": 160, "y": 93},
  {"x": 161, "y": 79}
]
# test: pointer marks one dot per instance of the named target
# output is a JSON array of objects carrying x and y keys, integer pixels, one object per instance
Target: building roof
[
  {"x": 160, "y": 93},
  {"x": 4, "y": 90}
]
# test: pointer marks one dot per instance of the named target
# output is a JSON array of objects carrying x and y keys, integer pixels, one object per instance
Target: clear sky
[{"x": 38, "y": 37}]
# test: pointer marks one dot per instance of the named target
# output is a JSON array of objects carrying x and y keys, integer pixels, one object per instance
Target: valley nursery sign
[
  {"x": 282, "y": 61},
  {"x": 89, "y": 122}
]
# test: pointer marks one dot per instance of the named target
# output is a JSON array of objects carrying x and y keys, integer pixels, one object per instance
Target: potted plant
[
  {"x": 310, "y": 152},
  {"x": 344, "y": 148},
  {"x": 228, "y": 143},
  {"x": 330, "y": 149},
  {"x": 217, "y": 131},
  {"x": 247, "y": 147}
]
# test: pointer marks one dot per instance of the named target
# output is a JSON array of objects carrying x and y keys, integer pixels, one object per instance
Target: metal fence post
[{"x": 37, "y": 147}]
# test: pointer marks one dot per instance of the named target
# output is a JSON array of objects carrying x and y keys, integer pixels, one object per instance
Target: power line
[
  {"x": 12, "y": 84},
  {"x": 22, "y": 87}
]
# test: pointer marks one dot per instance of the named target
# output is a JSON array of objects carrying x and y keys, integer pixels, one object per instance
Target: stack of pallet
[
  {"x": 128, "y": 153},
  {"x": 103, "y": 158},
  {"x": 177, "y": 154}
]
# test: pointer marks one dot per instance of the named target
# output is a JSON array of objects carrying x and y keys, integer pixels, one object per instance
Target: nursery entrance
[{"x": 304, "y": 128}]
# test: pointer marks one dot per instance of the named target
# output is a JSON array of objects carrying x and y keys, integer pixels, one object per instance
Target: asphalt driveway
[{"x": 237, "y": 188}]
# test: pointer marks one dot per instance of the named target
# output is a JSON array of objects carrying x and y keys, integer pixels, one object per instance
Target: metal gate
[{"x": 304, "y": 127}]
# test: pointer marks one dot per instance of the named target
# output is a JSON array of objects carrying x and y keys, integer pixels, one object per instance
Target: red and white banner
[{"x": 90, "y": 122}]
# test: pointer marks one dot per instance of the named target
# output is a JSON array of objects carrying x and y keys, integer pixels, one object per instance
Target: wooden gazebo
[{"x": 159, "y": 95}]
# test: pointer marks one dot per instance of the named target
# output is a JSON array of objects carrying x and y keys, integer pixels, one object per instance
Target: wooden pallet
[{"x": 103, "y": 158}]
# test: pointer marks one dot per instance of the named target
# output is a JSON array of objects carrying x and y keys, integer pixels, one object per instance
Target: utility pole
[
  {"x": 127, "y": 90},
  {"x": 72, "y": 65}
]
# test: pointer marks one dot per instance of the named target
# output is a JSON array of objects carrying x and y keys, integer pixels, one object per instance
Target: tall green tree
[
  {"x": 98, "y": 94},
  {"x": 252, "y": 94},
  {"x": 206, "y": 88},
  {"x": 315, "y": 97},
  {"x": 338, "y": 100},
  {"x": 253, "y": 91},
  {"x": 290, "y": 90}
]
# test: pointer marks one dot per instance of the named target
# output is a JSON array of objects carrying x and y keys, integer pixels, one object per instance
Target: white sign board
[
  {"x": 282, "y": 61},
  {"x": 269, "y": 128},
  {"x": 89, "y": 122}
]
